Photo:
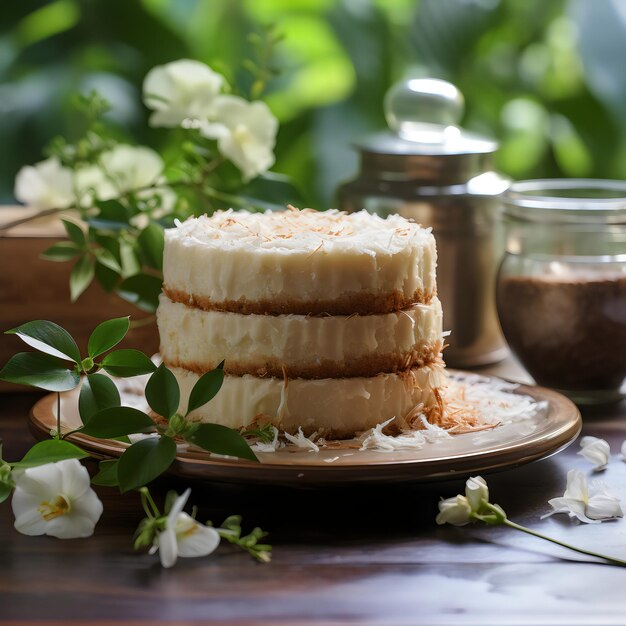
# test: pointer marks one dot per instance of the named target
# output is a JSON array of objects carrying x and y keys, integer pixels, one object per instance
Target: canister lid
[{"x": 423, "y": 116}]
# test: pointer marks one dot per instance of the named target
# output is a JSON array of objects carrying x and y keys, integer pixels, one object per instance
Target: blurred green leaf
[
  {"x": 62, "y": 251},
  {"x": 81, "y": 276},
  {"x": 142, "y": 290},
  {"x": 74, "y": 232},
  {"x": 151, "y": 241}
]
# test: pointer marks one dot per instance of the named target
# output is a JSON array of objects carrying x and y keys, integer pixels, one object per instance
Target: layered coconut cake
[{"x": 324, "y": 320}]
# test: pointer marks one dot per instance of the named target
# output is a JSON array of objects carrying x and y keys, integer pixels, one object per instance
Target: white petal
[
  {"x": 45, "y": 185},
  {"x": 476, "y": 492},
  {"x": 88, "y": 506},
  {"x": 195, "y": 539},
  {"x": 177, "y": 507},
  {"x": 454, "y": 511},
  {"x": 131, "y": 167},
  {"x": 573, "y": 508},
  {"x": 623, "y": 450},
  {"x": 44, "y": 482},
  {"x": 70, "y": 526},
  {"x": 168, "y": 547},
  {"x": 602, "y": 506},
  {"x": 596, "y": 451},
  {"x": 576, "y": 486},
  {"x": 75, "y": 479},
  {"x": 28, "y": 520}
]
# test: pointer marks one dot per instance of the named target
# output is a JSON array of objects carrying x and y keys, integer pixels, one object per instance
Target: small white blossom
[
  {"x": 129, "y": 168},
  {"x": 92, "y": 182},
  {"x": 46, "y": 185},
  {"x": 577, "y": 501},
  {"x": 596, "y": 451},
  {"x": 476, "y": 492},
  {"x": 55, "y": 499},
  {"x": 455, "y": 511},
  {"x": 183, "y": 536},
  {"x": 180, "y": 90},
  {"x": 245, "y": 133}
]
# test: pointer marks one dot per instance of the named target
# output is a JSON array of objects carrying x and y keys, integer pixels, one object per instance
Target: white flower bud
[
  {"x": 476, "y": 492},
  {"x": 455, "y": 511}
]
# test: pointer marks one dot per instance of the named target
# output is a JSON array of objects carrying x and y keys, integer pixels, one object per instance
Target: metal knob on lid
[{"x": 426, "y": 110}]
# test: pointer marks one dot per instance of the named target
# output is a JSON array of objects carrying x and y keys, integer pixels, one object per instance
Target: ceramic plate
[{"x": 535, "y": 437}]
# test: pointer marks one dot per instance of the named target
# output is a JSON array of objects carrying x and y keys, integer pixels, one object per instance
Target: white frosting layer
[
  {"x": 258, "y": 343},
  {"x": 337, "y": 407},
  {"x": 299, "y": 256}
]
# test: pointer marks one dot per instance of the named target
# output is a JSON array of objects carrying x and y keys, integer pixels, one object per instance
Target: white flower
[
  {"x": 245, "y": 133},
  {"x": 577, "y": 502},
  {"x": 183, "y": 536},
  {"x": 56, "y": 500},
  {"x": 476, "y": 492},
  {"x": 179, "y": 90},
  {"x": 129, "y": 168},
  {"x": 92, "y": 182},
  {"x": 596, "y": 451},
  {"x": 454, "y": 511},
  {"x": 46, "y": 185}
]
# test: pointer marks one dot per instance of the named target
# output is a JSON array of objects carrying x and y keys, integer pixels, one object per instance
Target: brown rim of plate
[{"x": 362, "y": 468}]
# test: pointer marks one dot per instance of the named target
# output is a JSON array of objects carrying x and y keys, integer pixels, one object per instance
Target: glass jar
[
  {"x": 561, "y": 290},
  {"x": 429, "y": 169}
]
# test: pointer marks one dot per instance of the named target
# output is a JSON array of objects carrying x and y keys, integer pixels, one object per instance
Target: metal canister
[{"x": 429, "y": 169}]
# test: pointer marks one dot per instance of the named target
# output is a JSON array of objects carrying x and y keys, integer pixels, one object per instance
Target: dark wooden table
[{"x": 350, "y": 555}]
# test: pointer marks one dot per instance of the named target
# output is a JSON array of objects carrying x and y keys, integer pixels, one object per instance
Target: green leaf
[
  {"x": 62, "y": 251},
  {"x": 5, "y": 491},
  {"x": 106, "y": 277},
  {"x": 39, "y": 370},
  {"x": 107, "y": 335},
  {"x": 162, "y": 392},
  {"x": 74, "y": 232},
  {"x": 48, "y": 337},
  {"x": 221, "y": 440},
  {"x": 81, "y": 276},
  {"x": 107, "y": 474},
  {"x": 98, "y": 392},
  {"x": 151, "y": 241},
  {"x": 142, "y": 290},
  {"x": 271, "y": 191},
  {"x": 144, "y": 461},
  {"x": 127, "y": 362},
  {"x": 206, "y": 388},
  {"x": 106, "y": 258},
  {"x": 112, "y": 216},
  {"x": 117, "y": 421},
  {"x": 50, "y": 451}
]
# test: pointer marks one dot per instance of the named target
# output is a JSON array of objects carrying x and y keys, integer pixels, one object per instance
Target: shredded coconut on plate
[
  {"x": 270, "y": 446},
  {"x": 301, "y": 441}
]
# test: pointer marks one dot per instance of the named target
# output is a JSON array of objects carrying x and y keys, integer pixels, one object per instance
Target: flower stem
[
  {"x": 30, "y": 218},
  {"x": 528, "y": 531},
  {"x": 147, "y": 500}
]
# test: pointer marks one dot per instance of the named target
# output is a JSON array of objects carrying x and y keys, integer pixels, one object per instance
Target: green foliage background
[{"x": 546, "y": 77}]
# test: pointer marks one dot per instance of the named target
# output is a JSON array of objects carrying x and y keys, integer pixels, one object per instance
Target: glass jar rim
[{"x": 567, "y": 200}]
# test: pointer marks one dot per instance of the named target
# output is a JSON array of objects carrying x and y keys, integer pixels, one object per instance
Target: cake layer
[
  {"x": 332, "y": 407},
  {"x": 299, "y": 345},
  {"x": 299, "y": 262}
]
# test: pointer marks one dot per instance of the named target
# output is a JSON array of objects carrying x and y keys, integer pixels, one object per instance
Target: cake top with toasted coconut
[{"x": 300, "y": 231}]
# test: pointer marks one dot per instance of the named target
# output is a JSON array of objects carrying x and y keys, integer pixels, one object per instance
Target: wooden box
[{"x": 32, "y": 288}]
